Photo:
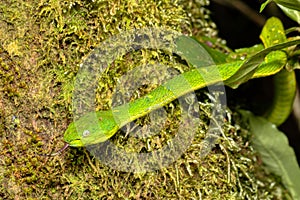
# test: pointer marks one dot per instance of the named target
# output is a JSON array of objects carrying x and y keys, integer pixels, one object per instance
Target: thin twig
[{"x": 244, "y": 9}]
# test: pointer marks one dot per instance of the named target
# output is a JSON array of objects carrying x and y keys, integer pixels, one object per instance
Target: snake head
[{"x": 92, "y": 128}]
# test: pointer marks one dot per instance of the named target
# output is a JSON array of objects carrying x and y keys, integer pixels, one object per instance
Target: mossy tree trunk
[{"x": 41, "y": 46}]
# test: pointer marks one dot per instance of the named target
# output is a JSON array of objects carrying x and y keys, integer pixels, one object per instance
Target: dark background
[{"x": 240, "y": 23}]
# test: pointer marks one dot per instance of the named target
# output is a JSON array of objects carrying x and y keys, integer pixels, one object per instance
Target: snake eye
[{"x": 86, "y": 133}]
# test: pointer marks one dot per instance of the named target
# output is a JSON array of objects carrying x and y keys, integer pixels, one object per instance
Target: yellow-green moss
[{"x": 41, "y": 46}]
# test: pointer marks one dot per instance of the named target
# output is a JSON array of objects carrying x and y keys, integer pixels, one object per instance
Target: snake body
[
  {"x": 96, "y": 127},
  {"x": 101, "y": 125}
]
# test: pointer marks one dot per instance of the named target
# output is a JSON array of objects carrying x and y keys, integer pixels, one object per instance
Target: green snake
[{"x": 86, "y": 131}]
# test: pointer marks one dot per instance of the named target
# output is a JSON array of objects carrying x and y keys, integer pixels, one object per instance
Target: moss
[{"x": 42, "y": 45}]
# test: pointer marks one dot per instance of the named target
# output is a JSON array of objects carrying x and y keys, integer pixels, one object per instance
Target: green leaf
[
  {"x": 262, "y": 7},
  {"x": 291, "y": 4},
  {"x": 246, "y": 71},
  {"x": 191, "y": 50},
  {"x": 218, "y": 56},
  {"x": 290, "y": 7},
  {"x": 293, "y": 14},
  {"x": 244, "y": 53},
  {"x": 273, "y": 32},
  {"x": 278, "y": 157}
]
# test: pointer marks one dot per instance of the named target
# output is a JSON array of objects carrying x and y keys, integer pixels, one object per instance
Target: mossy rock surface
[{"x": 42, "y": 44}]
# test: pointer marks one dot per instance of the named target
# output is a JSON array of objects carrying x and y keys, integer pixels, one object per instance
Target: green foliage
[
  {"x": 275, "y": 152},
  {"x": 290, "y": 7},
  {"x": 272, "y": 145}
]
